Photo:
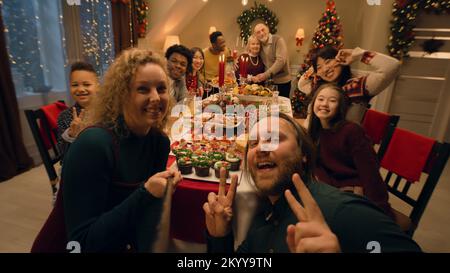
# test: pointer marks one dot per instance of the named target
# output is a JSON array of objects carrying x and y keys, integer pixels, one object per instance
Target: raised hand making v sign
[
  {"x": 311, "y": 234},
  {"x": 219, "y": 208},
  {"x": 76, "y": 124}
]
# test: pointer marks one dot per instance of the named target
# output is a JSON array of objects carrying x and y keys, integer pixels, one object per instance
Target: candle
[
  {"x": 237, "y": 41},
  {"x": 221, "y": 70},
  {"x": 241, "y": 66},
  {"x": 245, "y": 67},
  {"x": 242, "y": 42},
  {"x": 235, "y": 54}
]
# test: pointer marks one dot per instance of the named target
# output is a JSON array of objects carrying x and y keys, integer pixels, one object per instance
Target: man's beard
[{"x": 284, "y": 180}]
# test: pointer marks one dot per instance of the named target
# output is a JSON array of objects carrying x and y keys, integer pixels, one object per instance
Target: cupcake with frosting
[
  {"x": 216, "y": 156},
  {"x": 222, "y": 164},
  {"x": 202, "y": 164},
  {"x": 181, "y": 153},
  {"x": 234, "y": 160},
  {"x": 184, "y": 165}
]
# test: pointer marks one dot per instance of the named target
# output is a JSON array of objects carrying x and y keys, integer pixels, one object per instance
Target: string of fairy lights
[
  {"x": 28, "y": 41},
  {"x": 96, "y": 33},
  {"x": 24, "y": 45},
  {"x": 63, "y": 40}
]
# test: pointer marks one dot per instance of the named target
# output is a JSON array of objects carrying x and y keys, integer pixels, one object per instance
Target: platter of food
[
  {"x": 228, "y": 81},
  {"x": 202, "y": 160},
  {"x": 253, "y": 92},
  {"x": 222, "y": 100}
]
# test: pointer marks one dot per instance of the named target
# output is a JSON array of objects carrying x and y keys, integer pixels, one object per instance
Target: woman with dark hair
[
  {"x": 195, "y": 77},
  {"x": 346, "y": 158},
  {"x": 332, "y": 66}
]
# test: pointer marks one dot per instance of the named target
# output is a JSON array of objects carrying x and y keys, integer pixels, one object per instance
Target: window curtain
[
  {"x": 14, "y": 158},
  {"x": 125, "y": 34}
]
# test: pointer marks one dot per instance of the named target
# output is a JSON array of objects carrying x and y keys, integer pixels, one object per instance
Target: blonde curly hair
[{"x": 114, "y": 92}]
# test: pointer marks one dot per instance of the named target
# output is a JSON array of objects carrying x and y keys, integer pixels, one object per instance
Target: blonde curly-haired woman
[{"x": 114, "y": 174}]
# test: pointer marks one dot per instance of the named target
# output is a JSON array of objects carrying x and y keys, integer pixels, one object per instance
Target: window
[
  {"x": 36, "y": 35},
  {"x": 33, "y": 29}
]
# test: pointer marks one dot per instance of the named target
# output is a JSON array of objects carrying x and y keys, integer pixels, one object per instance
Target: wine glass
[{"x": 207, "y": 88}]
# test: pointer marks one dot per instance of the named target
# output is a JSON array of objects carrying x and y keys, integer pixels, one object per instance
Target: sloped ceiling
[{"x": 169, "y": 17}]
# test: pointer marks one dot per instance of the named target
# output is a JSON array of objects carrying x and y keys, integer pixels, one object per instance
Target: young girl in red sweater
[{"x": 346, "y": 156}]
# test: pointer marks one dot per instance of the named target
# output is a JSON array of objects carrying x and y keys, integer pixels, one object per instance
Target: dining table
[{"x": 187, "y": 218}]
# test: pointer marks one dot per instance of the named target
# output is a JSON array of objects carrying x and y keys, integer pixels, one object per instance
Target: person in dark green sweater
[
  {"x": 297, "y": 216},
  {"x": 114, "y": 175}
]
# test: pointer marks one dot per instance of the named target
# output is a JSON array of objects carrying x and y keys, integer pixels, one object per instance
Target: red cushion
[
  {"x": 51, "y": 112},
  {"x": 407, "y": 154},
  {"x": 375, "y": 124}
]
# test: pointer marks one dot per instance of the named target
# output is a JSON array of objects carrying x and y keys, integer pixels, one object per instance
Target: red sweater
[{"x": 347, "y": 158}]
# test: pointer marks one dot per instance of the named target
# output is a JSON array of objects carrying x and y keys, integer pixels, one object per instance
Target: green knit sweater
[{"x": 100, "y": 214}]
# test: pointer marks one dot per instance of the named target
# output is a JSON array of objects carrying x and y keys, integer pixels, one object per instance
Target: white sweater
[{"x": 373, "y": 82}]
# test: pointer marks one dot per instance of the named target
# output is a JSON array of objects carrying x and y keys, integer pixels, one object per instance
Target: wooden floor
[{"x": 26, "y": 202}]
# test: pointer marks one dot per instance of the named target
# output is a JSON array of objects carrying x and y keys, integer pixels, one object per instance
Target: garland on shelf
[
  {"x": 141, "y": 8},
  {"x": 405, "y": 13},
  {"x": 259, "y": 11}
]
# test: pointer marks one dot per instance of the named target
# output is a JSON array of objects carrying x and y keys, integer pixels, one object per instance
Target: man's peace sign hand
[
  {"x": 311, "y": 234},
  {"x": 219, "y": 208}
]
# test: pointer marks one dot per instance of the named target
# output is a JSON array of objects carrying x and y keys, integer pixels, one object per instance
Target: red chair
[
  {"x": 43, "y": 126},
  {"x": 407, "y": 158},
  {"x": 378, "y": 126}
]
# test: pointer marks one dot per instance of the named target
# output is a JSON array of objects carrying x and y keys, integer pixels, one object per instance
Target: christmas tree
[{"x": 328, "y": 32}]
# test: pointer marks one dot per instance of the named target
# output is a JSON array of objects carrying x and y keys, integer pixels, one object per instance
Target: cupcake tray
[{"x": 210, "y": 178}]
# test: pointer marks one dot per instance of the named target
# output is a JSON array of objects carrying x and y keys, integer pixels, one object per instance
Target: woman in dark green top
[{"x": 114, "y": 176}]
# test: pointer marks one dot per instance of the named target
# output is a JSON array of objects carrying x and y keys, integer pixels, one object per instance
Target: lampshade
[
  {"x": 212, "y": 29},
  {"x": 170, "y": 41},
  {"x": 300, "y": 33}
]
